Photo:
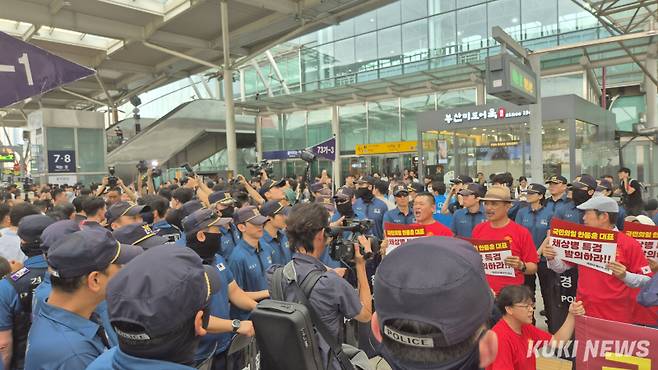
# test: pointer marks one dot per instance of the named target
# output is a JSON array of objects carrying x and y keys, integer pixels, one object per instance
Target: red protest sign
[
  {"x": 583, "y": 245},
  {"x": 397, "y": 234},
  {"x": 602, "y": 344},
  {"x": 646, "y": 235},
  {"x": 493, "y": 254}
]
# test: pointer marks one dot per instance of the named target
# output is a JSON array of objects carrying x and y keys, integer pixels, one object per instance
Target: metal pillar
[
  {"x": 231, "y": 139},
  {"x": 335, "y": 129},
  {"x": 259, "y": 138},
  {"x": 277, "y": 73},
  {"x": 536, "y": 155},
  {"x": 480, "y": 94},
  {"x": 650, "y": 86}
]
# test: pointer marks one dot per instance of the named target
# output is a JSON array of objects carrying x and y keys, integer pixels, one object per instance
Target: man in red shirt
[
  {"x": 424, "y": 208},
  {"x": 498, "y": 226},
  {"x": 605, "y": 296}
]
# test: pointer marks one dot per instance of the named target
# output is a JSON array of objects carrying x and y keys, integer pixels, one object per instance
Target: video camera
[
  {"x": 112, "y": 180},
  {"x": 341, "y": 247},
  {"x": 189, "y": 172},
  {"x": 256, "y": 168},
  {"x": 142, "y": 168}
]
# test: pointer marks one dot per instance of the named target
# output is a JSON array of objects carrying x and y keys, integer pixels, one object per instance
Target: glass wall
[{"x": 89, "y": 142}]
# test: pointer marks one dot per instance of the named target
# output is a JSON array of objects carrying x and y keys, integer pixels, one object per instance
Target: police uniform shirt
[
  {"x": 278, "y": 247},
  {"x": 62, "y": 340},
  {"x": 464, "y": 221},
  {"x": 114, "y": 359},
  {"x": 10, "y": 303},
  {"x": 397, "y": 217},
  {"x": 569, "y": 212},
  {"x": 219, "y": 307},
  {"x": 373, "y": 211},
  {"x": 555, "y": 205},
  {"x": 248, "y": 267},
  {"x": 230, "y": 238},
  {"x": 332, "y": 298},
  {"x": 536, "y": 221},
  {"x": 165, "y": 229}
]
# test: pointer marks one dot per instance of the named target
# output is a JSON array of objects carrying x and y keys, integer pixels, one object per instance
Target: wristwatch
[
  {"x": 235, "y": 324},
  {"x": 523, "y": 268}
]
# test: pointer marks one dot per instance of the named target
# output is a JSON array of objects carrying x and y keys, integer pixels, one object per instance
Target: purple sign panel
[
  {"x": 325, "y": 149},
  {"x": 26, "y": 70}
]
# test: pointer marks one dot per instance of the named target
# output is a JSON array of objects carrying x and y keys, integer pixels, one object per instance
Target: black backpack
[{"x": 285, "y": 331}]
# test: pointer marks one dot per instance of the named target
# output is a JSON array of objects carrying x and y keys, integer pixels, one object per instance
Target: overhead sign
[
  {"x": 508, "y": 78},
  {"x": 26, "y": 70},
  {"x": 491, "y": 113},
  {"x": 61, "y": 161},
  {"x": 325, "y": 149},
  {"x": 386, "y": 148}
]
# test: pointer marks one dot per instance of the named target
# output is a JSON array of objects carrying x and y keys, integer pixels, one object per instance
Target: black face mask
[
  {"x": 364, "y": 193},
  {"x": 345, "y": 209},
  {"x": 228, "y": 212},
  {"x": 208, "y": 248},
  {"x": 580, "y": 196}
]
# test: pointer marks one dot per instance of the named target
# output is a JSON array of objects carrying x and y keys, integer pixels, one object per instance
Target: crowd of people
[{"x": 111, "y": 276}]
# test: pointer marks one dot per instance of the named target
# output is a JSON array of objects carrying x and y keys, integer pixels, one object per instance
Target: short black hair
[
  {"x": 56, "y": 192},
  {"x": 92, "y": 205},
  {"x": 174, "y": 217},
  {"x": 382, "y": 186},
  {"x": 62, "y": 212},
  {"x": 165, "y": 193},
  {"x": 21, "y": 210},
  {"x": 4, "y": 210},
  {"x": 426, "y": 195},
  {"x": 439, "y": 187},
  {"x": 85, "y": 191},
  {"x": 183, "y": 195},
  {"x": 158, "y": 203},
  {"x": 652, "y": 205},
  {"x": 305, "y": 220},
  {"x": 625, "y": 170},
  {"x": 511, "y": 295},
  {"x": 78, "y": 201}
]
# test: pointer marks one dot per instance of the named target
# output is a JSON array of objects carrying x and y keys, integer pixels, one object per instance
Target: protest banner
[
  {"x": 646, "y": 235},
  {"x": 493, "y": 254},
  {"x": 602, "y": 344},
  {"x": 584, "y": 245},
  {"x": 397, "y": 234}
]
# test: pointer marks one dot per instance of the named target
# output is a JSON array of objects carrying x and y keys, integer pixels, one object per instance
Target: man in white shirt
[{"x": 10, "y": 243}]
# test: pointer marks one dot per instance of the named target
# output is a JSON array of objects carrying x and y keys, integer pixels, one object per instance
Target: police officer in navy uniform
[
  {"x": 17, "y": 290},
  {"x": 537, "y": 219},
  {"x": 139, "y": 234},
  {"x": 274, "y": 231},
  {"x": 249, "y": 261},
  {"x": 605, "y": 189},
  {"x": 557, "y": 187},
  {"x": 67, "y": 334},
  {"x": 402, "y": 213},
  {"x": 160, "y": 314},
  {"x": 203, "y": 237},
  {"x": 582, "y": 190},
  {"x": 224, "y": 205},
  {"x": 369, "y": 207},
  {"x": 472, "y": 213}
]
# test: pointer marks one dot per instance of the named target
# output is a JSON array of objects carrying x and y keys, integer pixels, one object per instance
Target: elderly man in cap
[
  {"x": 17, "y": 290},
  {"x": 203, "y": 237},
  {"x": 249, "y": 260},
  {"x": 125, "y": 213},
  {"x": 557, "y": 187},
  {"x": 68, "y": 334},
  {"x": 433, "y": 306},
  {"x": 472, "y": 213},
  {"x": 524, "y": 259},
  {"x": 401, "y": 214},
  {"x": 159, "y": 314},
  {"x": 274, "y": 231},
  {"x": 606, "y": 296},
  {"x": 369, "y": 207}
]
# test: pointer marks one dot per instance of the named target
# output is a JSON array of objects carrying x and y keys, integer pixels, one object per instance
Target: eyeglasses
[{"x": 529, "y": 307}]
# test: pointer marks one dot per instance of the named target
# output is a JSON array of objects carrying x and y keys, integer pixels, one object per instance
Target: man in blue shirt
[
  {"x": 249, "y": 260},
  {"x": 17, "y": 290},
  {"x": 369, "y": 207},
  {"x": 472, "y": 213},
  {"x": 439, "y": 190},
  {"x": 202, "y": 230},
  {"x": 223, "y": 203},
  {"x": 274, "y": 234},
  {"x": 401, "y": 214},
  {"x": 67, "y": 334},
  {"x": 159, "y": 313},
  {"x": 557, "y": 187}
]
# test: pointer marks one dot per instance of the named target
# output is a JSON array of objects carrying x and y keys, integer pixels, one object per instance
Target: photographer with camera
[
  {"x": 369, "y": 207},
  {"x": 332, "y": 297},
  {"x": 114, "y": 186}
]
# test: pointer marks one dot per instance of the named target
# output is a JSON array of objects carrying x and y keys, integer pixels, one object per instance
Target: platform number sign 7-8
[{"x": 66, "y": 158}]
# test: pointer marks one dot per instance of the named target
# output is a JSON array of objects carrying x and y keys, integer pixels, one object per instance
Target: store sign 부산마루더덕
[
  {"x": 385, "y": 148},
  {"x": 486, "y": 114}
]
